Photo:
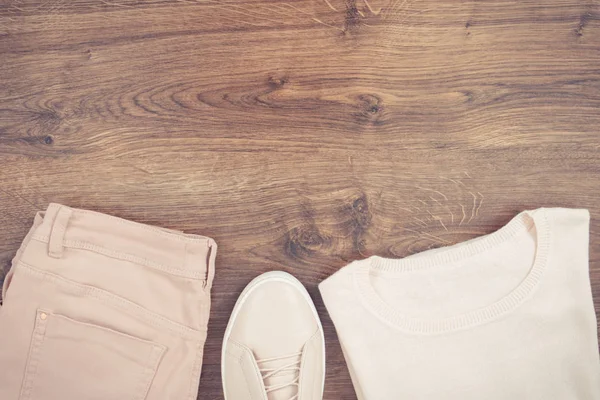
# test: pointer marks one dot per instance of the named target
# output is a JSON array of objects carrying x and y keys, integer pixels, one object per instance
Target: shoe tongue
[{"x": 282, "y": 378}]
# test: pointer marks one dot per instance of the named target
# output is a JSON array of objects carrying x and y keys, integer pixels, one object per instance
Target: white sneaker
[{"x": 274, "y": 347}]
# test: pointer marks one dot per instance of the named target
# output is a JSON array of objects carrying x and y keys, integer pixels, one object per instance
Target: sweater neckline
[{"x": 519, "y": 224}]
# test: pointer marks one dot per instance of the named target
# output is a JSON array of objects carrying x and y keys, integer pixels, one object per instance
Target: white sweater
[{"x": 507, "y": 316}]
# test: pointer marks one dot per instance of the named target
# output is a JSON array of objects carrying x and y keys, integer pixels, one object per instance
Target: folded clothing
[
  {"x": 505, "y": 316},
  {"x": 95, "y": 306}
]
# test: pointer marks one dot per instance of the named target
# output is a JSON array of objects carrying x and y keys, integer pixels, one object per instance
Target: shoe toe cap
[{"x": 276, "y": 318}]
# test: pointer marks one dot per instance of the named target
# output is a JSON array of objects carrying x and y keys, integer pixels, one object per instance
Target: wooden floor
[{"x": 300, "y": 134}]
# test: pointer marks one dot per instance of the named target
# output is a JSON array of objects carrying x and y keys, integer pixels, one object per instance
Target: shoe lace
[{"x": 292, "y": 368}]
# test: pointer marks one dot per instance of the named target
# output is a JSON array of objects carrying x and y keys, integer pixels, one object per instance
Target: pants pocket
[{"x": 69, "y": 359}]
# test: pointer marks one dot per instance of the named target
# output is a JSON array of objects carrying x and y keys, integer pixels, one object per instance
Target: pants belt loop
[
  {"x": 210, "y": 275},
  {"x": 57, "y": 234},
  {"x": 197, "y": 254}
]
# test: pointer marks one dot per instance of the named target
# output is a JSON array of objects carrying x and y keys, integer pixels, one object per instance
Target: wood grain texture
[{"x": 301, "y": 134}]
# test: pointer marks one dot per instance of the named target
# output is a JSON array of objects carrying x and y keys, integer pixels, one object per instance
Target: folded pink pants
[{"x": 97, "y": 307}]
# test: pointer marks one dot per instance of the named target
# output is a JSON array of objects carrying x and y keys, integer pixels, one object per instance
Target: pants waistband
[{"x": 170, "y": 251}]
